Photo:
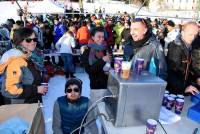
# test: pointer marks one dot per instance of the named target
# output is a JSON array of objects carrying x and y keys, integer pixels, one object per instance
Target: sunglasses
[
  {"x": 69, "y": 90},
  {"x": 28, "y": 40}
]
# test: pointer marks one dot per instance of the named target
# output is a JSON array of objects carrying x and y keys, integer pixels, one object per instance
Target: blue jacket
[
  {"x": 68, "y": 116},
  {"x": 59, "y": 30}
]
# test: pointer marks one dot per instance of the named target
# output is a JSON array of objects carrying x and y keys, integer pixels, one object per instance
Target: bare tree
[{"x": 140, "y": 2}]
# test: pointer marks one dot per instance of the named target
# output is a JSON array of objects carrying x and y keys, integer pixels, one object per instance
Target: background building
[{"x": 180, "y": 4}]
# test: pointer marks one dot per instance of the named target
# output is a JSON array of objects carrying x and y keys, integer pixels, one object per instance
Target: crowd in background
[{"x": 53, "y": 31}]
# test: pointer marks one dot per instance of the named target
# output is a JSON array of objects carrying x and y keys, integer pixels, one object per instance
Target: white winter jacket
[{"x": 65, "y": 44}]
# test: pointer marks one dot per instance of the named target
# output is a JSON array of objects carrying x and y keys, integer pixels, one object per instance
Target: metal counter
[{"x": 138, "y": 98}]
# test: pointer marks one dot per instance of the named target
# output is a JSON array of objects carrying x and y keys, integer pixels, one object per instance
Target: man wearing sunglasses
[
  {"x": 143, "y": 44},
  {"x": 70, "y": 109}
]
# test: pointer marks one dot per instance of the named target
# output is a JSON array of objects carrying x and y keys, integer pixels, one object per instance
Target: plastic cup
[
  {"x": 126, "y": 66},
  {"x": 166, "y": 92},
  {"x": 170, "y": 103},
  {"x": 179, "y": 96},
  {"x": 179, "y": 106},
  {"x": 151, "y": 126},
  {"x": 139, "y": 66},
  {"x": 45, "y": 84},
  {"x": 173, "y": 96},
  {"x": 164, "y": 101},
  {"x": 118, "y": 64}
]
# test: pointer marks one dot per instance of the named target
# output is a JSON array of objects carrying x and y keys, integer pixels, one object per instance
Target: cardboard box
[{"x": 28, "y": 112}]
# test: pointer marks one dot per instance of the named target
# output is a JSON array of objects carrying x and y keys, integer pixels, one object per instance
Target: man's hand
[
  {"x": 107, "y": 58},
  {"x": 42, "y": 89},
  {"x": 191, "y": 89}
]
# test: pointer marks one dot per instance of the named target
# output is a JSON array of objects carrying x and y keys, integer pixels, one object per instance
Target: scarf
[
  {"x": 22, "y": 49},
  {"x": 142, "y": 42},
  {"x": 36, "y": 57},
  {"x": 95, "y": 48}
]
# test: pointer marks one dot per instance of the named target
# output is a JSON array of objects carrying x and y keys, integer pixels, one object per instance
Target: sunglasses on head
[
  {"x": 28, "y": 40},
  {"x": 69, "y": 90}
]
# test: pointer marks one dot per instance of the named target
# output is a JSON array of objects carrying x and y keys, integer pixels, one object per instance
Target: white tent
[
  {"x": 46, "y": 6},
  {"x": 9, "y": 9}
]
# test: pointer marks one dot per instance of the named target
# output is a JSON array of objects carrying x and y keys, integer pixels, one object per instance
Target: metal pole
[
  {"x": 23, "y": 12},
  {"x": 18, "y": 5},
  {"x": 140, "y": 7},
  {"x": 20, "y": 10}
]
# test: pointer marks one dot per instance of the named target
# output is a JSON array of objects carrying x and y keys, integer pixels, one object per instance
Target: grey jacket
[{"x": 151, "y": 48}]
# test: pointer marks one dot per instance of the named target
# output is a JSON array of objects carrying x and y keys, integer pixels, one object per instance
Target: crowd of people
[{"x": 174, "y": 48}]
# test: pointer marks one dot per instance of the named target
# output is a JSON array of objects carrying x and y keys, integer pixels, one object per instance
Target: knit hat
[
  {"x": 171, "y": 23},
  {"x": 73, "y": 81}
]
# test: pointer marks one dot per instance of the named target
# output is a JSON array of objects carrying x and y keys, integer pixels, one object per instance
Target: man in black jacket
[
  {"x": 195, "y": 86},
  {"x": 179, "y": 59}
]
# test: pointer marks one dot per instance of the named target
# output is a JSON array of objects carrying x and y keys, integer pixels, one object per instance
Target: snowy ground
[{"x": 56, "y": 89}]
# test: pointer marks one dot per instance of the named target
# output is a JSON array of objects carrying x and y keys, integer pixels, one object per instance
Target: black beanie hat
[{"x": 73, "y": 81}]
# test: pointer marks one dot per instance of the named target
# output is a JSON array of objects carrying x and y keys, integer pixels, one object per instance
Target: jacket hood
[
  {"x": 8, "y": 57},
  {"x": 178, "y": 41},
  {"x": 10, "y": 53}
]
